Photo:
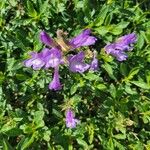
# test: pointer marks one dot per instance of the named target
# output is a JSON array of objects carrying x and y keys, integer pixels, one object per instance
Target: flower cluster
[
  {"x": 56, "y": 53},
  {"x": 53, "y": 56}
]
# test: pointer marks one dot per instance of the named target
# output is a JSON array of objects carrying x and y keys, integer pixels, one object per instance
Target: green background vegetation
[{"x": 113, "y": 104}]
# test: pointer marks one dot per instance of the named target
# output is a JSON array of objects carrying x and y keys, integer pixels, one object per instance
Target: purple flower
[
  {"x": 94, "y": 63},
  {"x": 53, "y": 58},
  {"x": 46, "y": 39},
  {"x": 123, "y": 44},
  {"x": 83, "y": 39},
  {"x": 37, "y": 59},
  {"x": 55, "y": 83},
  {"x": 76, "y": 63},
  {"x": 128, "y": 39},
  {"x": 70, "y": 120},
  {"x": 116, "y": 51}
]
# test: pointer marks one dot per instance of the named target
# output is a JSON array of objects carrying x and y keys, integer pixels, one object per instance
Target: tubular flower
[
  {"x": 70, "y": 120},
  {"x": 46, "y": 39},
  {"x": 55, "y": 83},
  {"x": 123, "y": 44},
  {"x": 128, "y": 39}
]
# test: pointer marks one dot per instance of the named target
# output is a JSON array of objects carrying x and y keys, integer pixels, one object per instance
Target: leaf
[
  {"x": 73, "y": 89},
  {"x": 2, "y": 77},
  {"x": 113, "y": 91},
  {"x": 109, "y": 19},
  {"x": 141, "y": 84},
  {"x": 101, "y": 16},
  {"x": 46, "y": 136},
  {"x": 102, "y": 30},
  {"x": 91, "y": 133},
  {"x": 109, "y": 70},
  {"x": 141, "y": 41},
  {"x": 110, "y": 144},
  {"x": 22, "y": 77},
  {"x": 101, "y": 87},
  {"x": 132, "y": 73},
  {"x": 114, "y": 29},
  {"x": 123, "y": 69},
  {"x": 83, "y": 143},
  {"x": 91, "y": 76},
  {"x": 118, "y": 29},
  {"x": 43, "y": 7},
  {"x": 38, "y": 119},
  {"x": 31, "y": 11},
  {"x": 123, "y": 24},
  {"x": 120, "y": 136},
  {"x": 26, "y": 141}
]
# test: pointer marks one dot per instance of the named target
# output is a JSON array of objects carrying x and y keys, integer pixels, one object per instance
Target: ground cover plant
[{"x": 74, "y": 74}]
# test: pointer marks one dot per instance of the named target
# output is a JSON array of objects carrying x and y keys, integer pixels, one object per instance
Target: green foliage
[{"x": 112, "y": 104}]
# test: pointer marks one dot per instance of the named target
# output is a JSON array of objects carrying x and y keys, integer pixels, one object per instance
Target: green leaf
[
  {"x": 31, "y": 11},
  {"x": 102, "y": 30},
  {"x": 91, "y": 76},
  {"x": 132, "y": 73},
  {"x": 74, "y": 88},
  {"x": 109, "y": 70},
  {"x": 82, "y": 143},
  {"x": 91, "y": 133},
  {"x": 46, "y": 136},
  {"x": 38, "y": 119},
  {"x": 101, "y": 16},
  {"x": 2, "y": 77},
  {"x": 113, "y": 91},
  {"x": 141, "y": 84},
  {"x": 114, "y": 29},
  {"x": 123, "y": 69},
  {"x": 109, "y": 19},
  {"x": 101, "y": 87},
  {"x": 120, "y": 136},
  {"x": 141, "y": 41},
  {"x": 44, "y": 7},
  {"x": 26, "y": 141}
]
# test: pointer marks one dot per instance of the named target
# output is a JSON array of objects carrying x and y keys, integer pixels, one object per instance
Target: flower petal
[
  {"x": 76, "y": 63},
  {"x": 55, "y": 83},
  {"x": 94, "y": 63},
  {"x": 83, "y": 39},
  {"x": 46, "y": 39},
  {"x": 54, "y": 58},
  {"x": 36, "y": 61}
]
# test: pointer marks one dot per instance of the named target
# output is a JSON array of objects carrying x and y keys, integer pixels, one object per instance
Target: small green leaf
[
  {"x": 73, "y": 89},
  {"x": 140, "y": 41},
  {"x": 31, "y": 11},
  {"x": 109, "y": 70},
  {"x": 91, "y": 76},
  {"x": 141, "y": 84},
  {"x": 132, "y": 73},
  {"x": 26, "y": 141},
  {"x": 101, "y": 16},
  {"x": 101, "y": 86},
  {"x": 82, "y": 143}
]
